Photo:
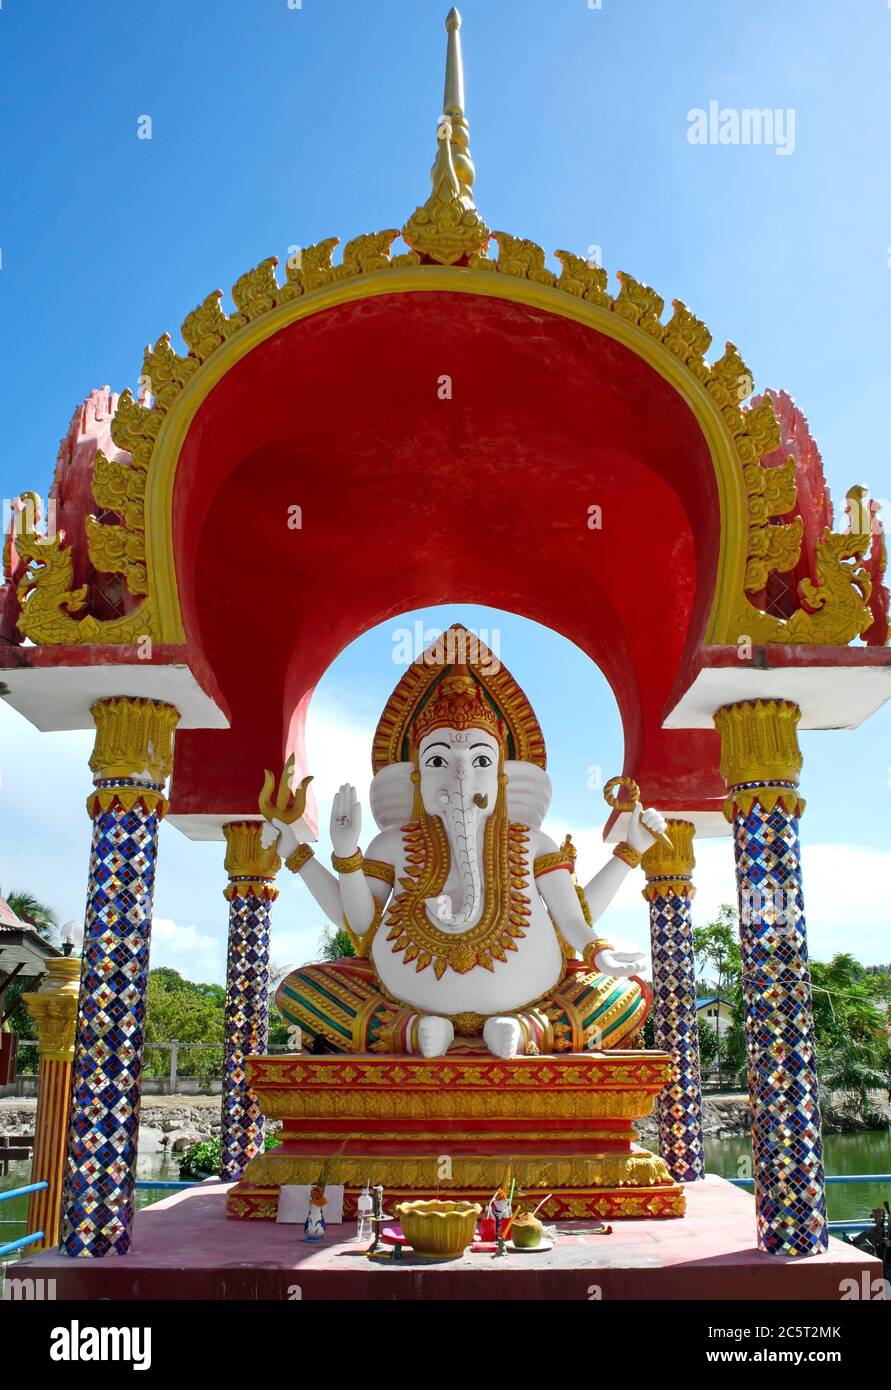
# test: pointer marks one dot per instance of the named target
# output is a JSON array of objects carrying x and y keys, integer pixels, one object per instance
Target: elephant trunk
[{"x": 462, "y": 818}]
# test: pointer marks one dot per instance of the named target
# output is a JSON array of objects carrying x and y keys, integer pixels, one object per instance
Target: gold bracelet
[
  {"x": 376, "y": 868},
  {"x": 298, "y": 857},
  {"x": 547, "y": 863},
  {"x": 590, "y": 950},
  {"x": 628, "y": 854},
  {"x": 348, "y": 865}
]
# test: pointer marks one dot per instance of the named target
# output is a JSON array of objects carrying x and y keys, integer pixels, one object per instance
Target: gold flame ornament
[
  {"x": 628, "y": 803},
  {"x": 288, "y": 805}
]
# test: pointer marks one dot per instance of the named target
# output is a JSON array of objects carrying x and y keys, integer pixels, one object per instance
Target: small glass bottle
[{"x": 364, "y": 1209}]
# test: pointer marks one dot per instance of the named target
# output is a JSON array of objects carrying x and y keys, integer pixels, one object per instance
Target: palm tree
[
  {"x": 334, "y": 945},
  {"x": 31, "y": 910},
  {"x": 849, "y": 1069},
  {"x": 36, "y": 914}
]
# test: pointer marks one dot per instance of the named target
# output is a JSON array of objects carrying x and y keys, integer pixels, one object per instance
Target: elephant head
[
  {"x": 459, "y": 771},
  {"x": 458, "y": 746}
]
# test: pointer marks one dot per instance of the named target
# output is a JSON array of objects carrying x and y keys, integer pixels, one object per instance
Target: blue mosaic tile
[
  {"x": 786, "y": 1140},
  {"x": 679, "y": 1107},
  {"x": 247, "y": 1026},
  {"x": 97, "y": 1203}
]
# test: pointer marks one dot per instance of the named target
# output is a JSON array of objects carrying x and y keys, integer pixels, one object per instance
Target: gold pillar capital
[
  {"x": 134, "y": 745},
  {"x": 760, "y": 757},
  {"x": 669, "y": 869},
  {"x": 53, "y": 1008},
  {"x": 250, "y": 867}
]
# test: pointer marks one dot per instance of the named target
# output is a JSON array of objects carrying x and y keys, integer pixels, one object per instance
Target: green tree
[
  {"x": 847, "y": 1002},
  {"x": 278, "y": 1028},
  {"x": 716, "y": 947},
  {"x": 178, "y": 1009},
  {"x": 37, "y": 914},
  {"x": 850, "y": 1027},
  {"x": 31, "y": 910},
  {"x": 848, "y": 1071},
  {"x": 335, "y": 945},
  {"x": 708, "y": 1046}
]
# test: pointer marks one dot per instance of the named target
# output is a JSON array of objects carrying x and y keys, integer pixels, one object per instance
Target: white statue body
[{"x": 459, "y": 781}]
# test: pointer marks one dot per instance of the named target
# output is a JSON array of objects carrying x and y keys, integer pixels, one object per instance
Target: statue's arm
[
  {"x": 604, "y": 886},
  {"x": 554, "y": 881},
  {"x": 325, "y": 889},
  {"x": 364, "y": 892},
  {"x": 553, "y": 878},
  {"x": 640, "y": 829},
  {"x": 356, "y": 896}
]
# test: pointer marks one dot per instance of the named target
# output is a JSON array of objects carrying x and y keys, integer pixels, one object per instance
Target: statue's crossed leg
[{"x": 340, "y": 1006}]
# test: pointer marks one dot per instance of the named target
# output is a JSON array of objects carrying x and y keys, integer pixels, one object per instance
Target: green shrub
[{"x": 202, "y": 1160}]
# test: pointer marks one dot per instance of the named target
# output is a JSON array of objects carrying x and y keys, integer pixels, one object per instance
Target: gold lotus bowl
[{"x": 440, "y": 1229}]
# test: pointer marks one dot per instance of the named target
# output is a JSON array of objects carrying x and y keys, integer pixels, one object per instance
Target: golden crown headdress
[
  {"x": 457, "y": 702},
  {"x": 423, "y": 685}
]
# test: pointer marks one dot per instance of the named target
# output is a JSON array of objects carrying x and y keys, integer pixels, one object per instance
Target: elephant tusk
[{"x": 481, "y": 799}]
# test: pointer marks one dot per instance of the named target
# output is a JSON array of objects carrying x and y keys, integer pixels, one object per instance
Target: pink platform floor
[{"x": 185, "y": 1248}]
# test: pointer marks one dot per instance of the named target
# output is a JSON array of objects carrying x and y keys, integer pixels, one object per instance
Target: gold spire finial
[
  {"x": 448, "y": 229},
  {"x": 453, "y": 106},
  {"x": 453, "y": 98}
]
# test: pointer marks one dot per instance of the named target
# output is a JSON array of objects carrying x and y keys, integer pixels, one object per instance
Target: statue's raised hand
[
  {"x": 346, "y": 822},
  {"x": 643, "y": 827},
  {"x": 280, "y": 834}
]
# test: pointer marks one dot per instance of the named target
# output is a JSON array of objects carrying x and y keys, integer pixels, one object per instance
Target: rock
[
  {"x": 150, "y": 1140},
  {"x": 185, "y": 1141}
]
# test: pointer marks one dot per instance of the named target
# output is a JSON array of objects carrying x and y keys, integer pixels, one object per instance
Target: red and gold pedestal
[{"x": 452, "y": 1125}]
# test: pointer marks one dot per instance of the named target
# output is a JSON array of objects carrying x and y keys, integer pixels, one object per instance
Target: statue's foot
[
  {"x": 503, "y": 1036},
  {"x": 435, "y": 1036}
]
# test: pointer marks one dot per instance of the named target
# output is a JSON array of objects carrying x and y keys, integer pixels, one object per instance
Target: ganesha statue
[{"x": 465, "y": 917}]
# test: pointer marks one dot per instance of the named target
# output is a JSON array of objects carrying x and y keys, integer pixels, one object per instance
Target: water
[{"x": 844, "y": 1153}]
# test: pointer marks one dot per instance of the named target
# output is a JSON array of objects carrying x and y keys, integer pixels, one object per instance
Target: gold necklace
[{"x": 506, "y": 908}]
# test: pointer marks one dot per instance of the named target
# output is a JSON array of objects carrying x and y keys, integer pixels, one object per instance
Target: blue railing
[
  {"x": 144, "y": 1183},
  {"x": 11, "y": 1246},
  {"x": 838, "y": 1178}
]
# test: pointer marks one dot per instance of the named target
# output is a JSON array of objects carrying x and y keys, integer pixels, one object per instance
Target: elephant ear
[
  {"x": 528, "y": 793},
  {"x": 392, "y": 796}
]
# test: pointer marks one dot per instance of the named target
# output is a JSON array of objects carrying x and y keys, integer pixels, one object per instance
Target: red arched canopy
[{"x": 408, "y": 499}]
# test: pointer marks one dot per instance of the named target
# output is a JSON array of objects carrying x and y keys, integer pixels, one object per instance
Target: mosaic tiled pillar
[
  {"x": 131, "y": 761},
  {"x": 53, "y": 1008},
  {"x": 251, "y": 892},
  {"x": 761, "y": 762},
  {"x": 668, "y": 891}
]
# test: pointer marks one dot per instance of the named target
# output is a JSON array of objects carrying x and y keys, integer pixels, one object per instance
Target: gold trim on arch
[{"x": 730, "y": 480}]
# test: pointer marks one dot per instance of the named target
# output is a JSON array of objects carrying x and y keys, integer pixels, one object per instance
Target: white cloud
[{"x": 188, "y": 950}]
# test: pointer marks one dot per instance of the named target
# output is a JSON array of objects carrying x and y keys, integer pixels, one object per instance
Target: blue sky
[{"x": 274, "y": 126}]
